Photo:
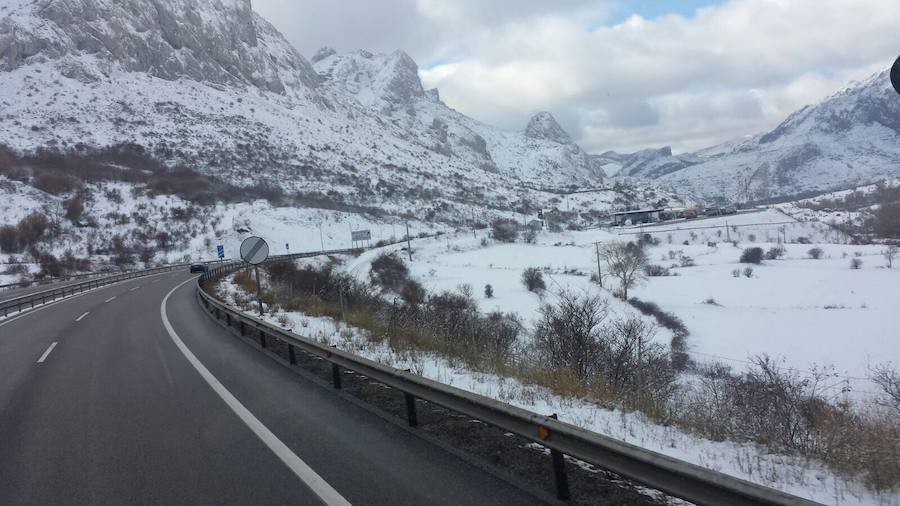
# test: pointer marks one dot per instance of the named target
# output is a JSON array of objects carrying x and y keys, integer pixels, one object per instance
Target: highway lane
[{"x": 117, "y": 414}]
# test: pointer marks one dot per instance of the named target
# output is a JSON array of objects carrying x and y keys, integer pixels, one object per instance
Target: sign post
[
  {"x": 254, "y": 251},
  {"x": 360, "y": 235}
]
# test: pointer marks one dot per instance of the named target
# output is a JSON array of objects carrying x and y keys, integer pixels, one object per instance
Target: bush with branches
[
  {"x": 504, "y": 230},
  {"x": 752, "y": 256},
  {"x": 533, "y": 279},
  {"x": 389, "y": 271}
]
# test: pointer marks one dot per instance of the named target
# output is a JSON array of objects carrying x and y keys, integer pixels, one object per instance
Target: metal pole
[
  {"x": 408, "y": 245},
  {"x": 258, "y": 292},
  {"x": 599, "y": 272},
  {"x": 321, "y": 238},
  {"x": 559, "y": 472}
]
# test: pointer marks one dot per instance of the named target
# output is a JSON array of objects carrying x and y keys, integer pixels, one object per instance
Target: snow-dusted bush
[
  {"x": 488, "y": 291},
  {"x": 748, "y": 272},
  {"x": 389, "y": 271},
  {"x": 815, "y": 253},
  {"x": 752, "y": 256},
  {"x": 654, "y": 270},
  {"x": 775, "y": 252},
  {"x": 533, "y": 279},
  {"x": 413, "y": 292},
  {"x": 855, "y": 263},
  {"x": 504, "y": 230}
]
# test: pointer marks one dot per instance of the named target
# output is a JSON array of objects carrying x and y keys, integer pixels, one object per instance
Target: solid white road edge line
[
  {"x": 47, "y": 353},
  {"x": 110, "y": 299},
  {"x": 319, "y": 486},
  {"x": 82, "y": 316}
]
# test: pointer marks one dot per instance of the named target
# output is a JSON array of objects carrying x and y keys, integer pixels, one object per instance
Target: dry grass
[{"x": 857, "y": 443}]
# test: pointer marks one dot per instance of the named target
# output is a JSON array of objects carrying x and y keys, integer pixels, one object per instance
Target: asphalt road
[{"x": 99, "y": 405}]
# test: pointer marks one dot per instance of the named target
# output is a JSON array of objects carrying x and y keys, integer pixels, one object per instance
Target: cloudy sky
[{"x": 617, "y": 74}]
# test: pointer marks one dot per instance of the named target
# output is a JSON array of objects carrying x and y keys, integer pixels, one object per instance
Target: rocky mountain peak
[
  {"x": 214, "y": 41},
  {"x": 322, "y": 53},
  {"x": 544, "y": 126},
  {"x": 388, "y": 81}
]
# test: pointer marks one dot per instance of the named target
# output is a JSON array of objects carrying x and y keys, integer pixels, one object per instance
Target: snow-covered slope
[
  {"x": 389, "y": 85},
  {"x": 850, "y": 138},
  {"x": 212, "y": 85}
]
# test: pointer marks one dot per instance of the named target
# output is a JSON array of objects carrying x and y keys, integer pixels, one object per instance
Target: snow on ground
[
  {"x": 747, "y": 461},
  {"x": 810, "y": 313}
]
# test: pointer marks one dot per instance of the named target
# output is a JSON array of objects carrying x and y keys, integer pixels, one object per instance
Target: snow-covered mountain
[
  {"x": 850, "y": 138},
  {"x": 388, "y": 84},
  {"x": 212, "y": 85},
  {"x": 647, "y": 163}
]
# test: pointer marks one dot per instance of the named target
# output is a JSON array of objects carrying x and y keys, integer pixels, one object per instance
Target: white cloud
[{"x": 729, "y": 70}]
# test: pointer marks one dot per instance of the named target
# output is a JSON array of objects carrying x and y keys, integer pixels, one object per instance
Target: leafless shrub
[
  {"x": 533, "y": 279},
  {"x": 815, "y": 253},
  {"x": 888, "y": 379},
  {"x": 389, "y": 271},
  {"x": 855, "y": 263}
]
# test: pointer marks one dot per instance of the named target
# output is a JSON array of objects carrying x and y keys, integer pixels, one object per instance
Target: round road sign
[
  {"x": 254, "y": 250},
  {"x": 895, "y": 75}
]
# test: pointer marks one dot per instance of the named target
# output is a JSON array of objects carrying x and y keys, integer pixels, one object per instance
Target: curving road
[{"x": 101, "y": 404}]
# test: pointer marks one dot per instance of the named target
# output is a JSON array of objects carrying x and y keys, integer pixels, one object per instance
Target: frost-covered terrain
[
  {"x": 212, "y": 85},
  {"x": 850, "y": 138},
  {"x": 809, "y": 313}
]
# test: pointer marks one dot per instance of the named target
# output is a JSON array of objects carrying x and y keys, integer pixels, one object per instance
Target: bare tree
[
  {"x": 889, "y": 380},
  {"x": 890, "y": 254},
  {"x": 626, "y": 262}
]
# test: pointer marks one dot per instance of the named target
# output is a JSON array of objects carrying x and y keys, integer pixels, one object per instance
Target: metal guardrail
[
  {"x": 32, "y": 300},
  {"x": 671, "y": 476}
]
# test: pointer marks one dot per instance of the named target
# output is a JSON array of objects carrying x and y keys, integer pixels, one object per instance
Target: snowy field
[
  {"x": 808, "y": 312},
  {"x": 813, "y": 314}
]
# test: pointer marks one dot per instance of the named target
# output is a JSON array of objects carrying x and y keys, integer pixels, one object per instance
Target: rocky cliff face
[
  {"x": 389, "y": 85},
  {"x": 214, "y": 41},
  {"x": 544, "y": 126},
  {"x": 210, "y": 84}
]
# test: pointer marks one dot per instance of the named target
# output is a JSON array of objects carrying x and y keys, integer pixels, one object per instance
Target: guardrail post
[
  {"x": 336, "y": 376},
  {"x": 411, "y": 410},
  {"x": 292, "y": 355},
  {"x": 242, "y": 327},
  {"x": 217, "y": 314},
  {"x": 262, "y": 338},
  {"x": 228, "y": 319},
  {"x": 559, "y": 471}
]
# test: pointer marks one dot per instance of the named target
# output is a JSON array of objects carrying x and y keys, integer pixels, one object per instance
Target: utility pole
[
  {"x": 408, "y": 244},
  {"x": 258, "y": 292},
  {"x": 321, "y": 238},
  {"x": 727, "y": 232},
  {"x": 599, "y": 272}
]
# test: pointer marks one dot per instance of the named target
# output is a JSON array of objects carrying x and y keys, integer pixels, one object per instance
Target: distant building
[{"x": 634, "y": 217}]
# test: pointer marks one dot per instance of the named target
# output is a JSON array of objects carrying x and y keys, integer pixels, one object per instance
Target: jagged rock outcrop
[{"x": 544, "y": 126}]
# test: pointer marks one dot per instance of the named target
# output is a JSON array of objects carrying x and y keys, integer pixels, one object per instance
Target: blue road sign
[
  {"x": 221, "y": 251},
  {"x": 287, "y": 247}
]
